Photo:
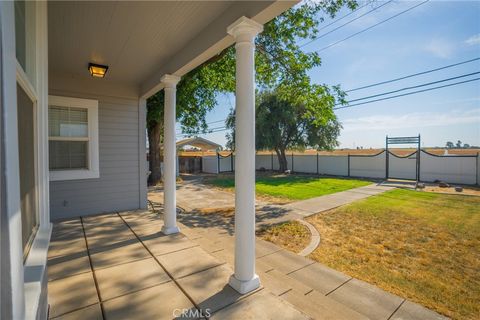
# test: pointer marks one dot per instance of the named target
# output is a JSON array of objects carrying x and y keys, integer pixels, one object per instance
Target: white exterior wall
[
  {"x": 371, "y": 167},
  {"x": 402, "y": 168},
  {"x": 450, "y": 169},
  {"x": 210, "y": 164}
]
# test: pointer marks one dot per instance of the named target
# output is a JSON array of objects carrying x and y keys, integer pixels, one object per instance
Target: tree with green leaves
[
  {"x": 280, "y": 64},
  {"x": 281, "y": 125}
]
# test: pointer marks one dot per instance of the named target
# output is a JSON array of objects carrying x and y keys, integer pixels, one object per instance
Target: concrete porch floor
[{"x": 119, "y": 266}]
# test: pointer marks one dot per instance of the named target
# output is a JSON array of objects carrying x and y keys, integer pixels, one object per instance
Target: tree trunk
[
  {"x": 282, "y": 159},
  {"x": 154, "y": 142}
]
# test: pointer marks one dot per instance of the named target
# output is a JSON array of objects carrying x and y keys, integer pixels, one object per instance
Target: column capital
[
  {"x": 244, "y": 29},
  {"x": 170, "y": 80}
]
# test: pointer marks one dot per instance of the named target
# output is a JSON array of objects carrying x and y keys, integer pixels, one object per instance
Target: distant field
[
  {"x": 293, "y": 187},
  {"x": 344, "y": 152}
]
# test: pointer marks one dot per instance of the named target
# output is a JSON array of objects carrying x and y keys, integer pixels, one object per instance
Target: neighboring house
[
  {"x": 73, "y": 144},
  {"x": 194, "y": 164},
  {"x": 199, "y": 143}
]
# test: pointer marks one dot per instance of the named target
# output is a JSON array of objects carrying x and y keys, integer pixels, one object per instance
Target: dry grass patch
[
  {"x": 422, "y": 246},
  {"x": 291, "y": 235},
  {"x": 223, "y": 212}
]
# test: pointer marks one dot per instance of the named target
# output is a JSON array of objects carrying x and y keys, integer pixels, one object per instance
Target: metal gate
[
  {"x": 225, "y": 163},
  {"x": 403, "y": 167}
]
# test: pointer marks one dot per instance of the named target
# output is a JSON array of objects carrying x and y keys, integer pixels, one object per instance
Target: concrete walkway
[
  {"x": 193, "y": 196},
  {"x": 312, "y": 288},
  {"x": 315, "y": 205}
]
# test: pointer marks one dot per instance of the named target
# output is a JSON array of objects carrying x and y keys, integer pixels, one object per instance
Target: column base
[
  {"x": 170, "y": 230},
  {"x": 244, "y": 287}
]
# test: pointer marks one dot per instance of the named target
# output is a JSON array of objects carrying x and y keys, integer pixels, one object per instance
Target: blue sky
[{"x": 435, "y": 34}]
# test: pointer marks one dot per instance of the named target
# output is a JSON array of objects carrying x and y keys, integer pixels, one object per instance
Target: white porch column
[
  {"x": 169, "y": 156},
  {"x": 244, "y": 31}
]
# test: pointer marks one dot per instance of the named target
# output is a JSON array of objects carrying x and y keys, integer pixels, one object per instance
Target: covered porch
[
  {"x": 74, "y": 143},
  {"x": 153, "y": 55}
]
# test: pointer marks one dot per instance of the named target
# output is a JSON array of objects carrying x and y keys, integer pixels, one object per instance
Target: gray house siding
[{"x": 118, "y": 187}]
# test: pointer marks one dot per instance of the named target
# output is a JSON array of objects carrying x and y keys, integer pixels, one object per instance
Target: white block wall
[
  {"x": 368, "y": 167},
  {"x": 276, "y": 164},
  {"x": 333, "y": 165},
  {"x": 263, "y": 161},
  {"x": 210, "y": 164},
  {"x": 226, "y": 164},
  {"x": 402, "y": 168},
  {"x": 478, "y": 168},
  {"x": 450, "y": 169},
  {"x": 304, "y": 163}
]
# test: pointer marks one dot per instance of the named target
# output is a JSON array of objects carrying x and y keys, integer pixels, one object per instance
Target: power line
[
  {"x": 223, "y": 128},
  {"x": 407, "y": 94},
  {"x": 220, "y": 129},
  {"x": 417, "y": 86},
  {"x": 371, "y": 27},
  {"x": 346, "y": 23},
  {"x": 179, "y": 132},
  {"x": 414, "y": 75},
  {"x": 343, "y": 17},
  {"x": 216, "y": 121}
]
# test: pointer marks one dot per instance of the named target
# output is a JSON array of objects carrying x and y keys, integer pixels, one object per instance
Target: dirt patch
[
  {"x": 291, "y": 235},
  {"x": 467, "y": 190}
]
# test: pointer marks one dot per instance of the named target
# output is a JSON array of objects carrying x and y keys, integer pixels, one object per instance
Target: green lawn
[
  {"x": 421, "y": 246},
  {"x": 294, "y": 187}
]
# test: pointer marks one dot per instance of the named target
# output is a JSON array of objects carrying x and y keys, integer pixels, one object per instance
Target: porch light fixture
[{"x": 97, "y": 70}]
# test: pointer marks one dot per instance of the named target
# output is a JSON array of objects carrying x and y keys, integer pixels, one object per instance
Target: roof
[
  {"x": 198, "y": 142},
  {"x": 141, "y": 41}
]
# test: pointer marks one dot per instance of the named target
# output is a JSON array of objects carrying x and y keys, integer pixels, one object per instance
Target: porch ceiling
[{"x": 141, "y": 41}]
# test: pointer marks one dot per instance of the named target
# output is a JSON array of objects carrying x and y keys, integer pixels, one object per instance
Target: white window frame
[{"x": 93, "y": 171}]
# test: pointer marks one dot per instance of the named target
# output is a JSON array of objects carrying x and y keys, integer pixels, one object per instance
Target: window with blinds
[
  {"x": 68, "y": 138},
  {"x": 73, "y": 138}
]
